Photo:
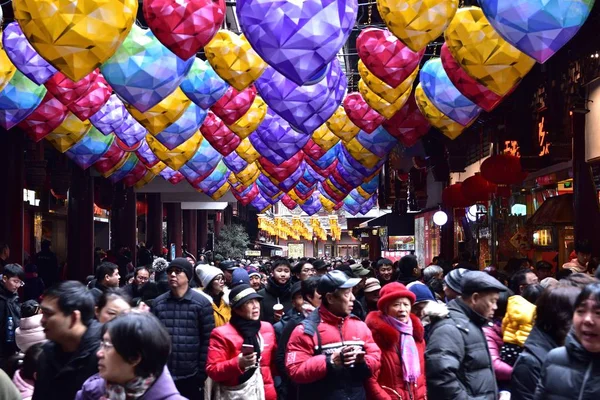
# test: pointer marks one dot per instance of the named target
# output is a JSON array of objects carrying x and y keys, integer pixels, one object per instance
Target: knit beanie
[
  {"x": 239, "y": 276},
  {"x": 184, "y": 265},
  {"x": 454, "y": 279},
  {"x": 422, "y": 293},
  {"x": 207, "y": 273},
  {"x": 391, "y": 292}
]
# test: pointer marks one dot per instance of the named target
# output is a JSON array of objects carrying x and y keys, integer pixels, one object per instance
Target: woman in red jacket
[
  {"x": 241, "y": 353},
  {"x": 400, "y": 336}
]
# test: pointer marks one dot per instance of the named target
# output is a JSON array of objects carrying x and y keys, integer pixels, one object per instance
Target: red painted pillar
[
  {"x": 80, "y": 229},
  {"x": 154, "y": 224},
  {"x": 174, "y": 228},
  {"x": 218, "y": 223},
  {"x": 190, "y": 231},
  {"x": 202, "y": 229}
]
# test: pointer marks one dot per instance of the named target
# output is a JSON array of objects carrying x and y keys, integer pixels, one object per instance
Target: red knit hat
[{"x": 391, "y": 292}]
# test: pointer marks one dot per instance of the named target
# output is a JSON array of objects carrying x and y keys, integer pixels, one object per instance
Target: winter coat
[
  {"x": 98, "y": 290},
  {"x": 47, "y": 266},
  {"x": 25, "y": 387},
  {"x": 9, "y": 307},
  {"x": 30, "y": 332},
  {"x": 458, "y": 365},
  {"x": 494, "y": 341},
  {"x": 189, "y": 321},
  {"x": 432, "y": 313},
  {"x": 162, "y": 389},
  {"x": 569, "y": 373},
  {"x": 309, "y": 354},
  {"x": 283, "y": 330},
  {"x": 273, "y": 294},
  {"x": 518, "y": 321},
  {"x": 222, "y": 312},
  {"x": 574, "y": 266},
  {"x": 526, "y": 372},
  {"x": 224, "y": 348},
  {"x": 388, "y": 382},
  {"x": 8, "y": 391},
  {"x": 59, "y": 377}
]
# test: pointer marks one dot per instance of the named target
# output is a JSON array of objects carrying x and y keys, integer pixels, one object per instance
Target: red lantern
[
  {"x": 503, "y": 169},
  {"x": 452, "y": 196},
  {"x": 477, "y": 189},
  {"x": 141, "y": 207}
]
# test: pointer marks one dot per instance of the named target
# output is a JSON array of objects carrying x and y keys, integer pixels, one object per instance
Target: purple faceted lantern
[
  {"x": 297, "y": 38},
  {"x": 378, "y": 142},
  {"x": 146, "y": 155},
  {"x": 260, "y": 202},
  {"x": 288, "y": 183},
  {"x": 312, "y": 205},
  {"x": 130, "y": 131},
  {"x": 110, "y": 116},
  {"x": 184, "y": 128},
  {"x": 23, "y": 55},
  {"x": 368, "y": 205},
  {"x": 202, "y": 164},
  {"x": 279, "y": 137},
  {"x": 235, "y": 163},
  {"x": 304, "y": 107},
  {"x": 266, "y": 186}
]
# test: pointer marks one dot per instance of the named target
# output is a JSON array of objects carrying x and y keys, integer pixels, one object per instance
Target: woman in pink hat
[{"x": 400, "y": 336}]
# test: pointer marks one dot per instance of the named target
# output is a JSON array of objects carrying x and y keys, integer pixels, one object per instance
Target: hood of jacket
[
  {"x": 518, "y": 321},
  {"x": 386, "y": 336},
  {"x": 33, "y": 322},
  {"x": 30, "y": 332},
  {"x": 433, "y": 312},
  {"x": 163, "y": 388},
  {"x": 539, "y": 343},
  {"x": 25, "y": 387}
]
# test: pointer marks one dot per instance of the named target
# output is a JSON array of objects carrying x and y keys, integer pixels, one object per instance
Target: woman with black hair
[
  {"x": 554, "y": 314},
  {"x": 112, "y": 303},
  {"x": 132, "y": 357}
]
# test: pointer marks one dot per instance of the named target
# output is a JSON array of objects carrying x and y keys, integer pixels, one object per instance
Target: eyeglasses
[
  {"x": 18, "y": 282},
  {"x": 105, "y": 345},
  {"x": 176, "y": 270}
]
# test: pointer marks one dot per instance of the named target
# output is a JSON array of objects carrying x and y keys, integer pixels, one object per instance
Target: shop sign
[{"x": 252, "y": 253}]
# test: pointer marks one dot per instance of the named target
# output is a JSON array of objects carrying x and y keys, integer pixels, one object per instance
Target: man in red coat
[{"x": 331, "y": 355}]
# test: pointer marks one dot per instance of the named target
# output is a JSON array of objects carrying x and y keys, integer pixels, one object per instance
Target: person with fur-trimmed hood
[
  {"x": 214, "y": 289},
  {"x": 400, "y": 336}
]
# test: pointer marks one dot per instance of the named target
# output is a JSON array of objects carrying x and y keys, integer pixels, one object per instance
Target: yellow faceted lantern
[
  {"x": 383, "y": 107},
  {"x": 71, "y": 131},
  {"x": 324, "y": 138},
  {"x": 220, "y": 192},
  {"x": 7, "y": 69},
  {"x": 162, "y": 115},
  {"x": 157, "y": 169},
  {"x": 248, "y": 175},
  {"x": 361, "y": 154},
  {"x": 417, "y": 22},
  {"x": 75, "y": 36},
  {"x": 436, "y": 118},
  {"x": 483, "y": 54},
  {"x": 232, "y": 57},
  {"x": 146, "y": 179},
  {"x": 247, "y": 151},
  {"x": 327, "y": 204},
  {"x": 179, "y": 155},
  {"x": 382, "y": 89},
  {"x": 341, "y": 126},
  {"x": 244, "y": 126}
]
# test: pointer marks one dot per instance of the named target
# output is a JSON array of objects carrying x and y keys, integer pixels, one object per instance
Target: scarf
[
  {"x": 132, "y": 390},
  {"x": 248, "y": 329},
  {"x": 409, "y": 355},
  {"x": 277, "y": 290}
]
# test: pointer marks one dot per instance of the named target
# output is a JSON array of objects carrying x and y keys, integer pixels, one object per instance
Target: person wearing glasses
[
  {"x": 214, "y": 289},
  {"x": 10, "y": 309},
  {"x": 132, "y": 358},
  {"x": 188, "y": 317},
  {"x": 141, "y": 276}
]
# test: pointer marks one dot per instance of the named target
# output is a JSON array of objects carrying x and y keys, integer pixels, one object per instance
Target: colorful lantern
[
  {"x": 164, "y": 114},
  {"x": 436, "y": 118},
  {"x": 234, "y": 104},
  {"x": 90, "y": 149},
  {"x": 219, "y": 135},
  {"x": 19, "y": 99},
  {"x": 408, "y": 125},
  {"x": 46, "y": 118},
  {"x": 202, "y": 84},
  {"x": 361, "y": 114},
  {"x": 184, "y": 128}
]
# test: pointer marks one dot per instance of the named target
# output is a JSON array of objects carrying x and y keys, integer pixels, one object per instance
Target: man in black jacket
[
  {"x": 188, "y": 316},
  {"x": 69, "y": 356},
  {"x": 107, "y": 276},
  {"x": 12, "y": 280},
  {"x": 458, "y": 362}
]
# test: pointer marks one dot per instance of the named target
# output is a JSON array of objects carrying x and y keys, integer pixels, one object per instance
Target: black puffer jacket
[
  {"x": 273, "y": 294},
  {"x": 9, "y": 307},
  {"x": 61, "y": 375},
  {"x": 189, "y": 320},
  {"x": 570, "y": 373},
  {"x": 526, "y": 372},
  {"x": 458, "y": 363}
]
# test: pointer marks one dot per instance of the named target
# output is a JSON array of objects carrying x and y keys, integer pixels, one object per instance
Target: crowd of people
[{"x": 304, "y": 329}]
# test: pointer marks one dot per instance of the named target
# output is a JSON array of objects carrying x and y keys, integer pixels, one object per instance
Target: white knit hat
[{"x": 207, "y": 273}]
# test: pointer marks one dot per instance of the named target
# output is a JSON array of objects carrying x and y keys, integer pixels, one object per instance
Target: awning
[
  {"x": 398, "y": 225},
  {"x": 556, "y": 210}
]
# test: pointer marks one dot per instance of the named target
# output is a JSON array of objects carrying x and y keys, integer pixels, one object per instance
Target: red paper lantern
[
  {"x": 453, "y": 196},
  {"x": 141, "y": 207},
  {"x": 503, "y": 169},
  {"x": 477, "y": 189}
]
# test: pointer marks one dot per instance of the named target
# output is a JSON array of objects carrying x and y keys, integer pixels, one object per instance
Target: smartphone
[{"x": 247, "y": 349}]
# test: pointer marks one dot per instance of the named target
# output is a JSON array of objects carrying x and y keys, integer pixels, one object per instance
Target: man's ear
[{"x": 75, "y": 318}]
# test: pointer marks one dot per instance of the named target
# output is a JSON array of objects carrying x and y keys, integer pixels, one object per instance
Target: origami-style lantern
[
  {"x": 298, "y": 39},
  {"x": 130, "y": 132},
  {"x": 66, "y": 90},
  {"x": 232, "y": 57},
  {"x": 445, "y": 96},
  {"x": 276, "y": 140},
  {"x": 503, "y": 169},
  {"x": 361, "y": 153},
  {"x": 111, "y": 160},
  {"x": 75, "y": 38},
  {"x": 386, "y": 57},
  {"x": 219, "y": 135},
  {"x": 143, "y": 72},
  {"x": 19, "y": 99},
  {"x": 324, "y": 138},
  {"x": 146, "y": 156},
  {"x": 177, "y": 157},
  {"x": 91, "y": 101},
  {"x": 110, "y": 116},
  {"x": 248, "y": 123},
  {"x": 289, "y": 202},
  {"x": 361, "y": 114},
  {"x": 202, "y": 163},
  {"x": 282, "y": 171},
  {"x": 164, "y": 114},
  {"x": 417, "y": 22},
  {"x": 467, "y": 85},
  {"x": 131, "y": 161},
  {"x": 408, "y": 125},
  {"x": 383, "y": 107},
  {"x": 476, "y": 189},
  {"x": 46, "y": 118},
  {"x": 453, "y": 196},
  {"x": 247, "y": 151},
  {"x": 184, "y": 128},
  {"x": 260, "y": 203},
  {"x": 234, "y": 104},
  {"x": 90, "y": 149},
  {"x": 169, "y": 174},
  {"x": 304, "y": 107},
  {"x": 137, "y": 174},
  {"x": 71, "y": 131},
  {"x": 202, "y": 84},
  {"x": 378, "y": 142},
  {"x": 341, "y": 125},
  {"x": 436, "y": 118},
  {"x": 536, "y": 27},
  {"x": 483, "y": 54},
  {"x": 382, "y": 89},
  {"x": 184, "y": 26}
]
